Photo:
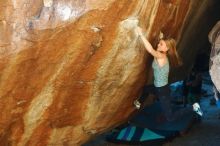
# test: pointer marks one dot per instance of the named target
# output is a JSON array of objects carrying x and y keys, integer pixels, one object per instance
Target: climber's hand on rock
[{"x": 138, "y": 30}]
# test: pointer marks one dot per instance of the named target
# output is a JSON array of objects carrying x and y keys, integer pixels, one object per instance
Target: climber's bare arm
[{"x": 147, "y": 44}]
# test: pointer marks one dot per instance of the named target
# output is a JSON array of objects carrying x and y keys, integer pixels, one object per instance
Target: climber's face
[{"x": 162, "y": 47}]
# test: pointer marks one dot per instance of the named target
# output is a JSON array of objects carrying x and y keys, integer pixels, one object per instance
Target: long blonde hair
[{"x": 173, "y": 56}]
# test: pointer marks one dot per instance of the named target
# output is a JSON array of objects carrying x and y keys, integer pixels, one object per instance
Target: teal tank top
[{"x": 160, "y": 73}]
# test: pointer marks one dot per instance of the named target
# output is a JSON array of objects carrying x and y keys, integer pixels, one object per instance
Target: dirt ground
[{"x": 206, "y": 133}]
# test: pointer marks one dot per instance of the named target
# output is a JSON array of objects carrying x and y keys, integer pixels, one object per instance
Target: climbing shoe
[
  {"x": 137, "y": 104},
  {"x": 197, "y": 109}
]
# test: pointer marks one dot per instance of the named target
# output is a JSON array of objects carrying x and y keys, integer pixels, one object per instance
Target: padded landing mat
[
  {"x": 149, "y": 127},
  {"x": 138, "y": 135}
]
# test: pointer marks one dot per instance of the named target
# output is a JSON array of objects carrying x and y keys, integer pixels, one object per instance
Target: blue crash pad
[{"x": 138, "y": 135}]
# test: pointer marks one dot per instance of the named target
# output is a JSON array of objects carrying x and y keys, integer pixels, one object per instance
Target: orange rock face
[{"x": 71, "y": 69}]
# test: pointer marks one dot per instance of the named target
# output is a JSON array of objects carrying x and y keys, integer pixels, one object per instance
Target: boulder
[
  {"x": 214, "y": 38},
  {"x": 70, "y": 70}
]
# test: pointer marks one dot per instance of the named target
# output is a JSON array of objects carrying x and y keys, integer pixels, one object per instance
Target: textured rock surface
[
  {"x": 194, "y": 37},
  {"x": 71, "y": 69},
  {"x": 214, "y": 38}
]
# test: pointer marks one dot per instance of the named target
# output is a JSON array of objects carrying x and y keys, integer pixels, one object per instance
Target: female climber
[{"x": 164, "y": 56}]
